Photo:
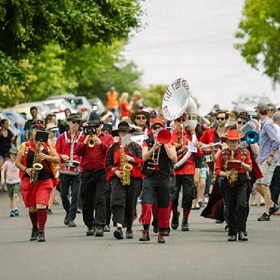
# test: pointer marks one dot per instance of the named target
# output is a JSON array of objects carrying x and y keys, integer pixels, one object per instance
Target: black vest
[{"x": 165, "y": 163}]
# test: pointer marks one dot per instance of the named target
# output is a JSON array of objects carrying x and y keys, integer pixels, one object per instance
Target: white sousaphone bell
[{"x": 177, "y": 101}]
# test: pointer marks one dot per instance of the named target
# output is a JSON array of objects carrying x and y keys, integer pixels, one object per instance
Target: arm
[
  {"x": 3, "y": 174},
  {"x": 171, "y": 152},
  {"x": 255, "y": 148}
]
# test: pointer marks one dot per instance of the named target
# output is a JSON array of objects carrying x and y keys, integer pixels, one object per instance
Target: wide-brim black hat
[
  {"x": 94, "y": 118},
  {"x": 139, "y": 112},
  {"x": 122, "y": 126},
  {"x": 73, "y": 117}
]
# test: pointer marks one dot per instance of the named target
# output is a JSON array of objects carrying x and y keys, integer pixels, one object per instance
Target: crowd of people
[{"x": 128, "y": 154}]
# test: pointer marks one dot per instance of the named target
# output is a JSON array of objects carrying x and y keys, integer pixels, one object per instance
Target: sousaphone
[{"x": 175, "y": 99}]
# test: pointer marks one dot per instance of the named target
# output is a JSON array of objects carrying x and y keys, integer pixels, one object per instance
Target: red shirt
[
  {"x": 238, "y": 156},
  {"x": 124, "y": 111},
  {"x": 63, "y": 145},
  {"x": 189, "y": 166},
  {"x": 93, "y": 158},
  {"x": 209, "y": 136}
]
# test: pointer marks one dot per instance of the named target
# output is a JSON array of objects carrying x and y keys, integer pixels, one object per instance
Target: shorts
[
  {"x": 267, "y": 171},
  {"x": 13, "y": 189},
  {"x": 204, "y": 172},
  {"x": 38, "y": 193}
]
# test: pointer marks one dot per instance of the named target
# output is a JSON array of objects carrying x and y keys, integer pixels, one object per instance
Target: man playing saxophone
[
  {"x": 124, "y": 164},
  {"x": 36, "y": 192},
  {"x": 233, "y": 165}
]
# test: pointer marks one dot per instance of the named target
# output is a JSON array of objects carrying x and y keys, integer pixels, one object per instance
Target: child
[{"x": 10, "y": 177}]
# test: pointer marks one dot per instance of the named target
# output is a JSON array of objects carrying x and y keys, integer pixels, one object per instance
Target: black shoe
[
  {"x": 160, "y": 238},
  {"x": 264, "y": 217},
  {"x": 118, "y": 233},
  {"x": 245, "y": 232},
  {"x": 242, "y": 237},
  {"x": 50, "y": 212},
  {"x": 166, "y": 232},
  {"x": 99, "y": 231},
  {"x": 129, "y": 234},
  {"x": 273, "y": 209},
  {"x": 145, "y": 236},
  {"x": 66, "y": 219},
  {"x": 34, "y": 235},
  {"x": 41, "y": 236},
  {"x": 175, "y": 220},
  {"x": 72, "y": 224},
  {"x": 90, "y": 231},
  {"x": 155, "y": 226},
  {"x": 232, "y": 238},
  {"x": 185, "y": 225}
]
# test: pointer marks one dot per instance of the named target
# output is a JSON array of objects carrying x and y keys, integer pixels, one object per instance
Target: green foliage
[
  {"x": 28, "y": 25},
  {"x": 259, "y": 31},
  {"x": 153, "y": 95},
  {"x": 13, "y": 79}
]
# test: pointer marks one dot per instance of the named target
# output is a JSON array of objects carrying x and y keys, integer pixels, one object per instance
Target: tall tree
[
  {"x": 27, "y": 26},
  {"x": 259, "y": 33}
]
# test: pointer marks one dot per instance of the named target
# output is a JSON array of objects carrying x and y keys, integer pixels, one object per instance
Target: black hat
[
  {"x": 73, "y": 117},
  {"x": 107, "y": 126},
  {"x": 94, "y": 118},
  {"x": 122, "y": 126}
]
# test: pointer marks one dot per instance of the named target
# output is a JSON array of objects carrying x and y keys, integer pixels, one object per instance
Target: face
[
  {"x": 34, "y": 113},
  {"x": 221, "y": 119},
  {"x": 123, "y": 133},
  {"x": 240, "y": 123},
  {"x": 140, "y": 120},
  {"x": 74, "y": 125},
  {"x": 6, "y": 124},
  {"x": 156, "y": 127},
  {"x": 180, "y": 122},
  {"x": 13, "y": 157},
  {"x": 233, "y": 144},
  {"x": 270, "y": 111}
]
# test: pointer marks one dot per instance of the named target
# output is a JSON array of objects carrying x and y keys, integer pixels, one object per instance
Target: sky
[{"x": 195, "y": 40}]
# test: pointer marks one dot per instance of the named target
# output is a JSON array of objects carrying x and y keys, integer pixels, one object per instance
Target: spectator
[
  {"x": 28, "y": 124},
  {"x": 124, "y": 105},
  {"x": 112, "y": 103},
  {"x": 137, "y": 102}
]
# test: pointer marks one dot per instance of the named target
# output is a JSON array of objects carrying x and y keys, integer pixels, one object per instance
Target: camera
[{"x": 89, "y": 130}]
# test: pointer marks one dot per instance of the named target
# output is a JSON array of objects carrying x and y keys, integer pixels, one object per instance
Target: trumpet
[
  {"x": 91, "y": 141},
  {"x": 91, "y": 132}
]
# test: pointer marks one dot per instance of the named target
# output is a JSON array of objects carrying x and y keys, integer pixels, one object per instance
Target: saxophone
[
  {"x": 36, "y": 164},
  {"x": 233, "y": 173},
  {"x": 125, "y": 168}
]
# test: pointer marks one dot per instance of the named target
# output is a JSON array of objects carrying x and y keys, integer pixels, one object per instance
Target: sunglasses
[
  {"x": 181, "y": 120},
  {"x": 156, "y": 127},
  {"x": 222, "y": 119},
  {"x": 241, "y": 122},
  {"x": 141, "y": 118},
  {"x": 76, "y": 122},
  {"x": 270, "y": 110}
]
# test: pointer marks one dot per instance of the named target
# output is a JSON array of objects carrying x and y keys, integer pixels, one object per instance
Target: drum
[{"x": 70, "y": 167}]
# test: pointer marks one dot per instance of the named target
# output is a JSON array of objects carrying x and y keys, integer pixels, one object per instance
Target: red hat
[
  {"x": 158, "y": 121},
  {"x": 244, "y": 115},
  {"x": 38, "y": 123},
  {"x": 231, "y": 135}
]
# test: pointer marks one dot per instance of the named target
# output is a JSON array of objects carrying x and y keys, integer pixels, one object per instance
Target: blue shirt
[{"x": 268, "y": 139}]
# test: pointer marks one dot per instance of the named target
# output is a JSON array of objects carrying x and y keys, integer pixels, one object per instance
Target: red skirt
[{"x": 38, "y": 193}]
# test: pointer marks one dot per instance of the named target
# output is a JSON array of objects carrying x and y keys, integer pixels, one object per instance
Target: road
[{"x": 201, "y": 253}]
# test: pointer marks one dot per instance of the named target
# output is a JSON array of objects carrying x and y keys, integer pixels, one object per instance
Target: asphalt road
[{"x": 201, "y": 253}]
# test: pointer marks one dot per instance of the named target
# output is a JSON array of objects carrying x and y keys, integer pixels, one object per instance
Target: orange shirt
[{"x": 112, "y": 100}]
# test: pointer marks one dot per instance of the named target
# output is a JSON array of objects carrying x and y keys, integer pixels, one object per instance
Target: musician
[
  {"x": 124, "y": 193},
  {"x": 158, "y": 168},
  {"x": 94, "y": 185},
  {"x": 141, "y": 119},
  {"x": 36, "y": 194},
  {"x": 234, "y": 182},
  {"x": 69, "y": 170},
  {"x": 184, "y": 174}
]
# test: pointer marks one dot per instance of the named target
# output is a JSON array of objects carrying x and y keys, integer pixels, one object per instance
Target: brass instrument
[
  {"x": 91, "y": 141},
  {"x": 233, "y": 173},
  {"x": 36, "y": 164},
  {"x": 125, "y": 168}
]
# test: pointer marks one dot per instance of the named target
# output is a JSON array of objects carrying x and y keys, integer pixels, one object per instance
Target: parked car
[
  {"x": 247, "y": 102},
  {"x": 14, "y": 130},
  {"x": 17, "y": 119},
  {"x": 97, "y": 105},
  {"x": 24, "y": 109},
  {"x": 79, "y": 103},
  {"x": 57, "y": 106}
]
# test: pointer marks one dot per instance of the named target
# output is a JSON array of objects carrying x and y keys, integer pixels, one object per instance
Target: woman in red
[
  {"x": 36, "y": 193},
  {"x": 124, "y": 105}
]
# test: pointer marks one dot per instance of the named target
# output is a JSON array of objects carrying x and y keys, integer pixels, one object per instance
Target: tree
[
  {"x": 259, "y": 30},
  {"x": 27, "y": 26}
]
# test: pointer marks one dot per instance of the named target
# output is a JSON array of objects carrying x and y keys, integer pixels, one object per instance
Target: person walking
[
  {"x": 35, "y": 159},
  {"x": 268, "y": 145},
  {"x": 112, "y": 103}
]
